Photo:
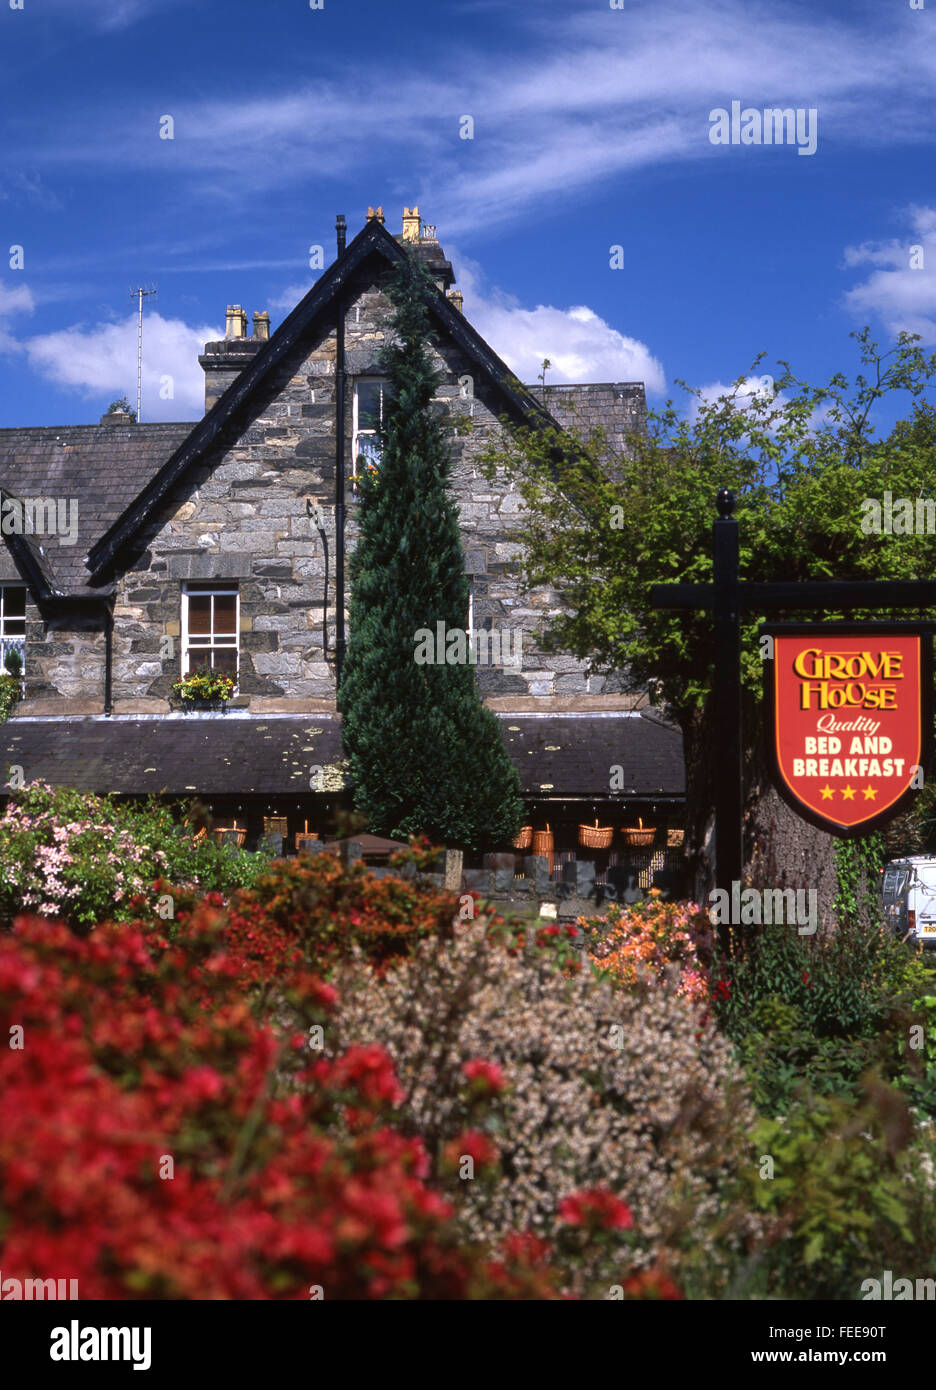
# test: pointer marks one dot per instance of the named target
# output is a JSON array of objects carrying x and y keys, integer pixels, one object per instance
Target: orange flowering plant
[{"x": 652, "y": 941}]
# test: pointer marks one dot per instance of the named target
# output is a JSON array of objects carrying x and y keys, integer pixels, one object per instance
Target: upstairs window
[
  {"x": 12, "y": 622},
  {"x": 210, "y": 624},
  {"x": 370, "y": 395}
]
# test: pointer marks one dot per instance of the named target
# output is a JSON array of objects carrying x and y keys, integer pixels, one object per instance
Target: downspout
[
  {"x": 341, "y": 230},
  {"x": 108, "y": 659}
]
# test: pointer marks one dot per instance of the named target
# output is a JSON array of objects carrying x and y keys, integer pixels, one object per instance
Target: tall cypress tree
[{"x": 426, "y": 756}]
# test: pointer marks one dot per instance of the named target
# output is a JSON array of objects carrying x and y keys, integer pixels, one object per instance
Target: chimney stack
[
  {"x": 411, "y": 222},
  {"x": 379, "y": 215},
  {"x": 261, "y": 325},
  {"x": 457, "y": 300},
  {"x": 235, "y": 322}
]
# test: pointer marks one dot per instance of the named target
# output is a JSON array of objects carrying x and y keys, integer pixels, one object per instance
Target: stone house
[{"x": 145, "y": 551}]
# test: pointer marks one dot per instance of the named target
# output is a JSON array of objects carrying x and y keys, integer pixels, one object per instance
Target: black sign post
[{"x": 726, "y": 596}]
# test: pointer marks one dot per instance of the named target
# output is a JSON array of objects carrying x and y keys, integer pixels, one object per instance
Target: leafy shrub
[
  {"x": 783, "y": 1058},
  {"x": 651, "y": 940},
  {"x": 161, "y": 1139},
  {"x": 82, "y": 857},
  {"x": 655, "y": 1113},
  {"x": 11, "y": 692},
  {"x": 844, "y": 984},
  {"x": 852, "y": 1193}
]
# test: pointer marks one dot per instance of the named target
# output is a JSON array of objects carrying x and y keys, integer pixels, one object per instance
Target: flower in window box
[{"x": 204, "y": 685}]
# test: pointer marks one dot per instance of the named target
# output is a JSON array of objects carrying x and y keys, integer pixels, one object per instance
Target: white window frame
[
  {"x": 11, "y": 638},
  {"x": 358, "y": 433},
  {"x": 201, "y": 590}
]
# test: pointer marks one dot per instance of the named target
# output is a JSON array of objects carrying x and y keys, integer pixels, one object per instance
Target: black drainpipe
[
  {"x": 108, "y": 659},
  {"x": 341, "y": 230}
]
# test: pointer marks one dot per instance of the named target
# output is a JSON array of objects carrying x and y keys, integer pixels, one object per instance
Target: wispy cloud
[
  {"x": 901, "y": 290},
  {"x": 592, "y": 96},
  {"x": 107, "y": 16}
]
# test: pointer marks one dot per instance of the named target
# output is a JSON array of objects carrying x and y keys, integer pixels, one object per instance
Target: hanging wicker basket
[
  {"x": 524, "y": 838},
  {"x": 305, "y": 834},
  {"x": 240, "y": 831},
  {"x": 595, "y": 836},
  {"x": 674, "y": 838},
  {"x": 543, "y": 843},
  {"x": 638, "y": 836}
]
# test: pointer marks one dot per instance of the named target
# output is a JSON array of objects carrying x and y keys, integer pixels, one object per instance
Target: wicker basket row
[{"x": 596, "y": 837}]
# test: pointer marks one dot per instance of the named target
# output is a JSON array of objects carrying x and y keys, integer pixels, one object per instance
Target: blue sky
[{"x": 591, "y": 130}]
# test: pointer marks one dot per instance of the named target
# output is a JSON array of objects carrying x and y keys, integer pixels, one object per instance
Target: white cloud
[
  {"x": 580, "y": 345},
  {"x": 747, "y": 390},
  {"x": 102, "y": 359},
  {"x": 901, "y": 289},
  {"x": 14, "y": 299},
  {"x": 290, "y": 297}
]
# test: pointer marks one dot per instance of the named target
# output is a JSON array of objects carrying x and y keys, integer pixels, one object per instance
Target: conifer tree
[{"x": 426, "y": 756}]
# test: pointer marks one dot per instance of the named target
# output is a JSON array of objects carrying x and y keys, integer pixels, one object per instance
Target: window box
[{"x": 204, "y": 687}]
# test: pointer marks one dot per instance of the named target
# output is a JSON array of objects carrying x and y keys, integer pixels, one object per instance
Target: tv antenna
[{"x": 139, "y": 294}]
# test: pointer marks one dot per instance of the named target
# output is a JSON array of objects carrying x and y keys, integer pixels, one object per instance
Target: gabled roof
[
  {"x": 317, "y": 306},
  {"x": 103, "y": 467}
]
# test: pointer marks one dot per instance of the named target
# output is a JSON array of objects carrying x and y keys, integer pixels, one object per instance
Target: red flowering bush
[
  {"x": 314, "y": 907},
  {"x": 596, "y": 1208},
  {"x": 162, "y": 1139}
]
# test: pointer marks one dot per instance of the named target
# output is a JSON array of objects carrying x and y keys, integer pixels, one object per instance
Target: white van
[{"x": 908, "y": 888}]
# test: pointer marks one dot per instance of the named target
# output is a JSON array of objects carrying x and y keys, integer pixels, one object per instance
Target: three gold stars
[{"x": 848, "y": 793}]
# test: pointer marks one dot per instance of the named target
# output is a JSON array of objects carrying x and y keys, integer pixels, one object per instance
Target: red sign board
[{"x": 850, "y": 723}]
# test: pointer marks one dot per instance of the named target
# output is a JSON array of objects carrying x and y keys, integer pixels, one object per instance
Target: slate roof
[
  {"x": 572, "y": 754},
  {"x": 230, "y": 754},
  {"x": 103, "y": 467},
  {"x": 617, "y": 407}
]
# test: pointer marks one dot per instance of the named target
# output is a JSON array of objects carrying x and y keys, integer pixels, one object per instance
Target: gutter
[{"x": 340, "y": 228}]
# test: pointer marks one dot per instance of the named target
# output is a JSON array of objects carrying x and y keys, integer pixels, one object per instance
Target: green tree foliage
[
  {"x": 801, "y": 461},
  {"x": 426, "y": 756},
  {"x": 122, "y": 406}
]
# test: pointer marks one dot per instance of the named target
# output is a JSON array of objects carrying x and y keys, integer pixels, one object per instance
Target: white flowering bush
[{"x": 628, "y": 1091}]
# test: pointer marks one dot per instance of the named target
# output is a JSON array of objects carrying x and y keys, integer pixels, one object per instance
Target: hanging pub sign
[{"x": 849, "y": 719}]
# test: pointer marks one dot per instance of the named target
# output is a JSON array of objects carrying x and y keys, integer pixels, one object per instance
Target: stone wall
[{"x": 241, "y": 514}]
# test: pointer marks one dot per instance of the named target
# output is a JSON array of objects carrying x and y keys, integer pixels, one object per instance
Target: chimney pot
[
  {"x": 457, "y": 300},
  {"x": 235, "y": 322},
  {"x": 261, "y": 325},
  {"x": 411, "y": 222},
  {"x": 375, "y": 216}
]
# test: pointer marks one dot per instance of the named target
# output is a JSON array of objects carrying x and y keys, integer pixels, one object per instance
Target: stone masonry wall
[{"x": 241, "y": 515}]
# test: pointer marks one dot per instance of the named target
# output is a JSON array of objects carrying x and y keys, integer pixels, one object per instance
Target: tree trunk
[{"x": 781, "y": 849}]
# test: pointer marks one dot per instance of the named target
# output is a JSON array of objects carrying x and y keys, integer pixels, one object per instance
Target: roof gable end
[{"x": 320, "y": 301}]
